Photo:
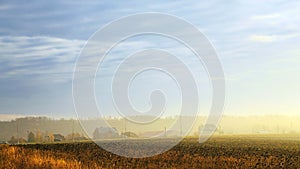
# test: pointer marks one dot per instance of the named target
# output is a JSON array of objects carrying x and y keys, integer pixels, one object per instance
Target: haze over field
[{"x": 228, "y": 125}]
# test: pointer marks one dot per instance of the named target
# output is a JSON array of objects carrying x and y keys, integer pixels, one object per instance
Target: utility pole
[
  {"x": 18, "y": 142},
  {"x": 73, "y": 131}
]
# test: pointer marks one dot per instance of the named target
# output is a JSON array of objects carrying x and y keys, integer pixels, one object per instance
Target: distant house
[
  {"x": 129, "y": 134},
  {"x": 105, "y": 133},
  {"x": 58, "y": 137},
  {"x": 15, "y": 140},
  {"x": 3, "y": 142},
  {"x": 22, "y": 140}
]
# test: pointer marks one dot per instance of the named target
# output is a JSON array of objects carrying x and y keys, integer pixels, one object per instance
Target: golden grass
[
  {"x": 223, "y": 152},
  {"x": 12, "y": 157}
]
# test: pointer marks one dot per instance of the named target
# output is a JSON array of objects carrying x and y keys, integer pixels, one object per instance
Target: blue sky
[{"x": 257, "y": 42}]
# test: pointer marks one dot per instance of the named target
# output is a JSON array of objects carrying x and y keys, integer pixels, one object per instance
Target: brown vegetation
[{"x": 219, "y": 152}]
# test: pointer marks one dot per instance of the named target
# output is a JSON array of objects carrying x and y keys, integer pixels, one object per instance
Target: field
[{"x": 218, "y": 152}]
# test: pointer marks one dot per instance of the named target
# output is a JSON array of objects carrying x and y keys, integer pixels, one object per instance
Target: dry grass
[
  {"x": 224, "y": 152},
  {"x": 14, "y": 157}
]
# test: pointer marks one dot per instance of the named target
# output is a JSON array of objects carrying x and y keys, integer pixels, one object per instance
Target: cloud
[
  {"x": 262, "y": 38},
  {"x": 272, "y": 38},
  {"x": 5, "y": 7},
  {"x": 266, "y": 17},
  {"x": 37, "y": 56}
]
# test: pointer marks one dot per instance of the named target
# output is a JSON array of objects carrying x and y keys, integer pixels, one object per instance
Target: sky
[{"x": 257, "y": 43}]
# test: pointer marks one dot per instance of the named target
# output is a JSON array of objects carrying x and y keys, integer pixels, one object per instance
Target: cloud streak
[{"x": 24, "y": 55}]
